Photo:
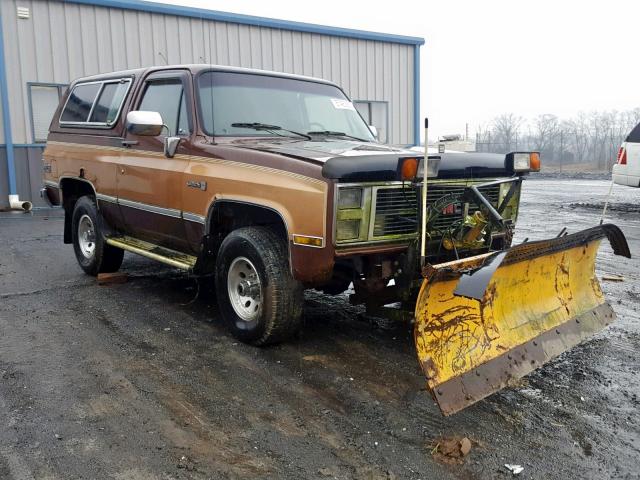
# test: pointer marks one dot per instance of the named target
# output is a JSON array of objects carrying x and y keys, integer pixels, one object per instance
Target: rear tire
[
  {"x": 257, "y": 295},
  {"x": 92, "y": 252}
]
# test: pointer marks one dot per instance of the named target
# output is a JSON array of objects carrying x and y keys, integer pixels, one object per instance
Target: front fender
[{"x": 310, "y": 265}]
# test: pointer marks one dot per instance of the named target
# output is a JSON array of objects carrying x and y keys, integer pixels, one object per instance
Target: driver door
[{"x": 150, "y": 184}]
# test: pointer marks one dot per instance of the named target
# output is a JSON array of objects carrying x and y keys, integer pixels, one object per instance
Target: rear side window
[
  {"x": 80, "y": 103},
  {"x": 108, "y": 105},
  {"x": 95, "y": 104}
]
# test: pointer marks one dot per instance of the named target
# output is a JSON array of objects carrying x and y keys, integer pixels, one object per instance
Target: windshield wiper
[
  {"x": 331, "y": 133},
  {"x": 268, "y": 128}
]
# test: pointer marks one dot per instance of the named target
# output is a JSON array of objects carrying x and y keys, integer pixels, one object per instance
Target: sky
[{"x": 485, "y": 58}]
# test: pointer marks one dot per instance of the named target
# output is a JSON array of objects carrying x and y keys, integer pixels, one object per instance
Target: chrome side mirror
[
  {"x": 374, "y": 131},
  {"x": 144, "y": 123},
  {"x": 170, "y": 146}
]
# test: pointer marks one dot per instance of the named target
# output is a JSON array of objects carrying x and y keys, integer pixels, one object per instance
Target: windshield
[{"x": 229, "y": 100}]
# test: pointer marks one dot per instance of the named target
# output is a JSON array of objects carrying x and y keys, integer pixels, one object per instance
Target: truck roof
[{"x": 196, "y": 68}]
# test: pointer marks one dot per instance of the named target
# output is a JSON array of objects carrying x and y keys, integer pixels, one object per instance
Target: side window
[
  {"x": 107, "y": 107},
  {"x": 80, "y": 102},
  {"x": 95, "y": 104},
  {"x": 167, "y": 98}
]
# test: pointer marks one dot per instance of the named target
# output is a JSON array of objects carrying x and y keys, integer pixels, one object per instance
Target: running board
[{"x": 154, "y": 252}]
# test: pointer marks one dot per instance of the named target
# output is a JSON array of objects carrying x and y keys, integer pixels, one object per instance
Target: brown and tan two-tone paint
[{"x": 169, "y": 201}]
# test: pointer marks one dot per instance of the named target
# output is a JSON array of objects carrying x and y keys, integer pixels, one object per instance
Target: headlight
[
  {"x": 433, "y": 166},
  {"x": 352, "y": 213},
  {"x": 350, "y": 198},
  {"x": 521, "y": 162},
  {"x": 347, "y": 229},
  {"x": 360, "y": 207}
]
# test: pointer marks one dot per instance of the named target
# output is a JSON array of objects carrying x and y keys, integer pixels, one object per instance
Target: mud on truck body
[{"x": 273, "y": 183}]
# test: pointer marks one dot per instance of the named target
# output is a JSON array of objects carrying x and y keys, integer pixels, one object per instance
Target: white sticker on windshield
[{"x": 343, "y": 104}]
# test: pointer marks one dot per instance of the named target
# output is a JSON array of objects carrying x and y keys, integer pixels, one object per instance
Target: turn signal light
[
  {"x": 308, "y": 241},
  {"x": 534, "y": 162},
  {"x": 408, "y": 169}
]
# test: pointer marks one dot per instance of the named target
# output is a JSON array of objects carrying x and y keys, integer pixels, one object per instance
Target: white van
[{"x": 627, "y": 170}]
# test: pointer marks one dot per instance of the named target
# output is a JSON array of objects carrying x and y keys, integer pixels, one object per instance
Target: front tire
[
  {"x": 257, "y": 295},
  {"x": 92, "y": 252}
]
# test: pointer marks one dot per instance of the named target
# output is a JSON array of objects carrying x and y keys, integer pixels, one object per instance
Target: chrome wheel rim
[
  {"x": 86, "y": 237},
  {"x": 245, "y": 289}
]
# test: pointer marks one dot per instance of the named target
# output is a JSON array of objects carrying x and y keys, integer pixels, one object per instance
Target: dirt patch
[
  {"x": 450, "y": 450},
  {"x": 612, "y": 207},
  {"x": 551, "y": 173}
]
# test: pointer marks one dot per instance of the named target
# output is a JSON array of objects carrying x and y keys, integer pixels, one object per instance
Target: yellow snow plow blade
[{"x": 485, "y": 321}]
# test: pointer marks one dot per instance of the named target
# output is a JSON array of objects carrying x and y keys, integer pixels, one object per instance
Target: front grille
[
  {"x": 444, "y": 221},
  {"x": 396, "y": 208},
  {"x": 396, "y": 212}
]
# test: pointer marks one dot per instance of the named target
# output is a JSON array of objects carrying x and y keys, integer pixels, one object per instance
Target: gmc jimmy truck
[{"x": 273, "y": 183}]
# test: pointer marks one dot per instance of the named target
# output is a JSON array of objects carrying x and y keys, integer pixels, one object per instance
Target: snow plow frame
[{"x": 485, "y": 321}]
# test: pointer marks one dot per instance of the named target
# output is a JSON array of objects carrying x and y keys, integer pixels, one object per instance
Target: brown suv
[{"x": 271, "y": 182}]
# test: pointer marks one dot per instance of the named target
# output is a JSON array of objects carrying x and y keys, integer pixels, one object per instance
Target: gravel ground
[{"x": 142, "y": 381}]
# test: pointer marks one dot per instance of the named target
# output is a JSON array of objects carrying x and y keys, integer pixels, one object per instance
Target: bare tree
[
  {"x": 483, "y": 138},
  {"x": 590, "y": 139},
  {"x": 546, "y": 129},
  {"x": 578, "y": 136},
  {"x": 506, "y": 127}
]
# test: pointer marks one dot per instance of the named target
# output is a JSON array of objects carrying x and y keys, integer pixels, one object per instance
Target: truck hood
[
  {"x": 348, "y": 160},
  {"x": 320, "y": 150}
]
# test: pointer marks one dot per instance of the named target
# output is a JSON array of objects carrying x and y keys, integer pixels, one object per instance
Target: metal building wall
[
  {"x": 28, "y": 162},
  {"x": 1, "y": 125},
  {"x": 62, "y": 41}
]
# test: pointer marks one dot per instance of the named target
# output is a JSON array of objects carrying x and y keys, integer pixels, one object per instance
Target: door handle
[
  {"x": 122, "y": 170},
  {"x": 129, "y": 143}
]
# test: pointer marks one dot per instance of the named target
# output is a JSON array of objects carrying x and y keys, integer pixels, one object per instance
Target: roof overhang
[{"x": 178, "y": 10}]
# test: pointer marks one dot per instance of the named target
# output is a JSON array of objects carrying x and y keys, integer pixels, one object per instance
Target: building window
[
  {"x": 43, "y": 102},
  {"x": 375, "y": 113},
  {"x": 95, "y": 104}
]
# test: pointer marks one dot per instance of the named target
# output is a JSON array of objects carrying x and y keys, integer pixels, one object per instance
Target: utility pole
[
  {"x": 612, "y": 150},
  {"x": 561, "y": 147}
]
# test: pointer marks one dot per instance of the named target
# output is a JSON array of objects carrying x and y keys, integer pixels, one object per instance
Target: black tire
[
  {"x": 105, "y": 258},
  {"x": 281, "y": 297}
]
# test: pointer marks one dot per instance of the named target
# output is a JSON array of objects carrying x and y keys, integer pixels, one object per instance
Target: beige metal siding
[{"x": 63, "y": 41}]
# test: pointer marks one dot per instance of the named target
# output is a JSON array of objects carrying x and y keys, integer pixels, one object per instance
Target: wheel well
[
  {"x": 72, "y": 189},
  {"x": 226, "y": 216}
]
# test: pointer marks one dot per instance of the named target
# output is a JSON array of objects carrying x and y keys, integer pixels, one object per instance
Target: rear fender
[{"x": 72, "y": 188}]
